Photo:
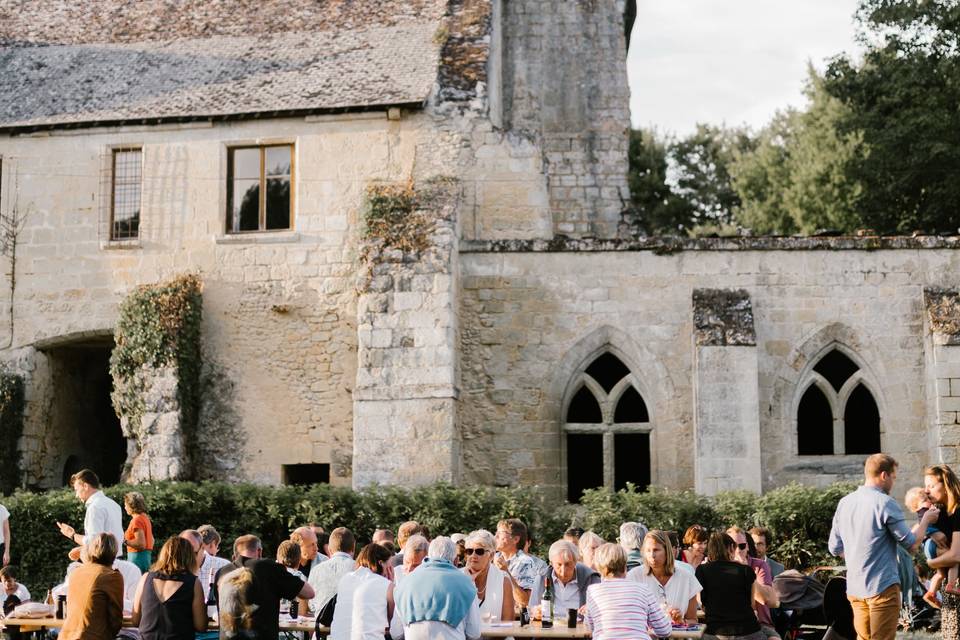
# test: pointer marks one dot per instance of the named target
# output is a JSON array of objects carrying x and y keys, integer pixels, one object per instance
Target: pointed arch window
[
  {"x": 837, "y": 414},
  {"x": 607, "y": 429}
]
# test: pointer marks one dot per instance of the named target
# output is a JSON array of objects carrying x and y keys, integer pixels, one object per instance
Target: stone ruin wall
[
  {"x": 723, "y": 410},
  {"x": 279, "y": 332}
]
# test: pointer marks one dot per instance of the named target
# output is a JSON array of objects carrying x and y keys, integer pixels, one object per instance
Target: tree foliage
[
  {"x": 795, "y": 180},
  {"x": 902, "y": 99}
]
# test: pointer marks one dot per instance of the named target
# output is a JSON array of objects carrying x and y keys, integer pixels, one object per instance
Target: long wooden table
[{"x": 306, "y": 625}]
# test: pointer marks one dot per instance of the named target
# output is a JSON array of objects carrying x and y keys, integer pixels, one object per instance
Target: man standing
[
  {"x": 325, "y": 577},
  {"x": 437, "y": 600},
  {"x": 867, "y": 527},
  {"x": 271, "y": 582},
  {"x": 510, "y": 558},
  {"x": 103, "y": 515}
]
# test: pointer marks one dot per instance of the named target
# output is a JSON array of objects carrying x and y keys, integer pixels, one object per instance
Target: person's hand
[
  {"x": 388, "y": 570},
  {"x": 67, "y": 530},
  {"x": 500, "y": 561},
  {"x": 74, "y": 554},
  {"x": 535, "y": 612},
  {"x": 931, "y": 515},
  {"x": 6, "y": 557},
  {"x": 675, "y": 615}
]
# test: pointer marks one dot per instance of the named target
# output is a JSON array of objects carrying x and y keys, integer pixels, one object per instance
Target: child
[
  {"x": 13, "y": 593},
  {"x": 934, "y": 543}
]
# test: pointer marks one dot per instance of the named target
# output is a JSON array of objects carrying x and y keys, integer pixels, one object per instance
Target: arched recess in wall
[
  {"x": 606, "y": 427},
  {"x": 836, "y": 411}
]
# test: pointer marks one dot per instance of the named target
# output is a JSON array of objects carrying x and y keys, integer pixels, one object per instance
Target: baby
[{"x": 934, "y": 543}]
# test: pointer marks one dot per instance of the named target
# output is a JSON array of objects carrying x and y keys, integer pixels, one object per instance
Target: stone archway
[{"x": 82, "y": 430}]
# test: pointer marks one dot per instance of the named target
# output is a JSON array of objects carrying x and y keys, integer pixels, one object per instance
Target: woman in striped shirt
[{"x": 618, "y": 608}]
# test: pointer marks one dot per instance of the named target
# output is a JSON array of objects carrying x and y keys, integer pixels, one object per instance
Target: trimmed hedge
[{"x": 798, "y": 516}]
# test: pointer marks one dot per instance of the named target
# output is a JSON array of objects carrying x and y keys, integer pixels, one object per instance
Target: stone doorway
[{"x": 83, "y": 430}]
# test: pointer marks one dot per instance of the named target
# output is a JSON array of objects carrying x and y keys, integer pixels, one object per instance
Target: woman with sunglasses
[{"x": 493, "y": 586}]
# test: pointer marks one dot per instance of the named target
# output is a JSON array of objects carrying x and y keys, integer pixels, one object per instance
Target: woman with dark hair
[
  {"x": 364, "y": 598},
  {"x": 694, "y": 545},
  {"x": 943, "y": 487},
  {"x": 168, "y": 604},
  {"x": 729, "y": 590}
]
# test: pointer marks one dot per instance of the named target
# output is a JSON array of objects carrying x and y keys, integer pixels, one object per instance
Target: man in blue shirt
[{"x": 867, "y": 527}]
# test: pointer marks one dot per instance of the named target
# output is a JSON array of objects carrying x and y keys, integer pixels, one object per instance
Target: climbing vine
[
  {"x": 159, "y": 326},
  {"x": 11, "y": 428}
]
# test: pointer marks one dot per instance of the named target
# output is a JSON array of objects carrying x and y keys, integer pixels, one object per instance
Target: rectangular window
[
  {"x": 127, "y": 172},
  {"x": 258, "y": 188},
  {"x": 305, "y": 474},
  {"x": 631, "y": 453}
]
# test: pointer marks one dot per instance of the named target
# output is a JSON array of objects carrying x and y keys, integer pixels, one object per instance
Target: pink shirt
[
  {"x": 619, "y": 608},
  {"x": 764, "y": 576}
]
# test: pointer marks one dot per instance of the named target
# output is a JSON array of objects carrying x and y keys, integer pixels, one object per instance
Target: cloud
[{"x": 733, "y": 61}]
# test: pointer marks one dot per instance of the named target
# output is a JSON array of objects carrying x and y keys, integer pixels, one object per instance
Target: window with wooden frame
[
  {"x": 126, "y": 193},
  {"x": 259, "y": 184}
]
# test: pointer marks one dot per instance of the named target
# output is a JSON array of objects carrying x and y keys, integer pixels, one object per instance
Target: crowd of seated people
[{"x": 409, "y": 585}]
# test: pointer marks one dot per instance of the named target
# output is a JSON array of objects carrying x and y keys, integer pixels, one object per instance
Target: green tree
[
  {"x": 701, "y": 162},
  {"x": 796, "y": 179},
  {"x": 657, "y": 208},
  {"x": 902, "y": 99}
]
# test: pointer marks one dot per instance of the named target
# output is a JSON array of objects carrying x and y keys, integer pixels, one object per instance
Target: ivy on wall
[
  {"x": 11, "y": 428},
  {"x": 158, "y": 327}
]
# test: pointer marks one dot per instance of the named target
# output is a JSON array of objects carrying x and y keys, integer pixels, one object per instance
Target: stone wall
[
  {"x": 531, "y": 315},
  {"x": 564, "y": 86},
  {"x": 279, "y": 329},
  {"x": 405, "y": 429}
]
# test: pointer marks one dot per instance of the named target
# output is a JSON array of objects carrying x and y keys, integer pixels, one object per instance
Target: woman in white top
[
  {"x": 675, "y": 590},
  {"x": 493, "y": 585},
  {"x": 364, "y": 598}
]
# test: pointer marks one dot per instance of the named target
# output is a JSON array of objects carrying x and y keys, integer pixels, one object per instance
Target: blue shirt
[{"x": 867, "y": 527}]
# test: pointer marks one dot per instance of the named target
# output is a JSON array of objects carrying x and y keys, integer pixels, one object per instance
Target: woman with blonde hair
[
  {"x": 587, "y": 545},
  {"x": 168, "y": 604},
  {"x": 494, "y": 590},
  {"x": 675, "y": 590},
  {"x": 620, "y": 608}
]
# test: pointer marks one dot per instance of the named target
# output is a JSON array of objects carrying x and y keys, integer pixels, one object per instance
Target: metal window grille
[{"x": 125, "y": 193}]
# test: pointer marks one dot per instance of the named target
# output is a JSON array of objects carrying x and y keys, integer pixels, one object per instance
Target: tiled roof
[{"x": 115, "y": 61}]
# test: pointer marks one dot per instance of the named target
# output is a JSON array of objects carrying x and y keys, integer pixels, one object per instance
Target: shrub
[{"x": 799, "y": 517}]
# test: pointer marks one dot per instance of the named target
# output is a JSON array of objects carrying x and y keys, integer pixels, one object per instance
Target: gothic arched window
[
  {"x": 837, "y": 414},
  {"x": 607, "y": 429}
]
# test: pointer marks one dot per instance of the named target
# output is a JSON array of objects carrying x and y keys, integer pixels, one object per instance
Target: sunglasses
[
  {"x": 742, "y": 546},
  {"x": 470, "y": 552}
]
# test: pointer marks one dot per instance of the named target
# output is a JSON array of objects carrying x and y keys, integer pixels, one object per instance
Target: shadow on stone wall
[{"x": 218, "y": 436}]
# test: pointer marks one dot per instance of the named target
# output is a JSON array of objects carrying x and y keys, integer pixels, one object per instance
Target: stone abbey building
[{"x": 509, "y": 331}]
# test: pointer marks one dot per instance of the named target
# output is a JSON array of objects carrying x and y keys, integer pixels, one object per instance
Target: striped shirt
[{"x": 619, "y": 608}]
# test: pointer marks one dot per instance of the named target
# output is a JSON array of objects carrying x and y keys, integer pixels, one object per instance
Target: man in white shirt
[
  {"x": 325, "y": 577},
  {"x": 103, "y": 515}
]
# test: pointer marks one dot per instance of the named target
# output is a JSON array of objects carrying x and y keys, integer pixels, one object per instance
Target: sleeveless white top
[
  {"x": 361, "y": 611},
  {"x": 493, "y": 598}
]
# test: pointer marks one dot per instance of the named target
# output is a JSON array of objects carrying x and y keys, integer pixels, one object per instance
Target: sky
[{"x": 728, "y": 61}]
